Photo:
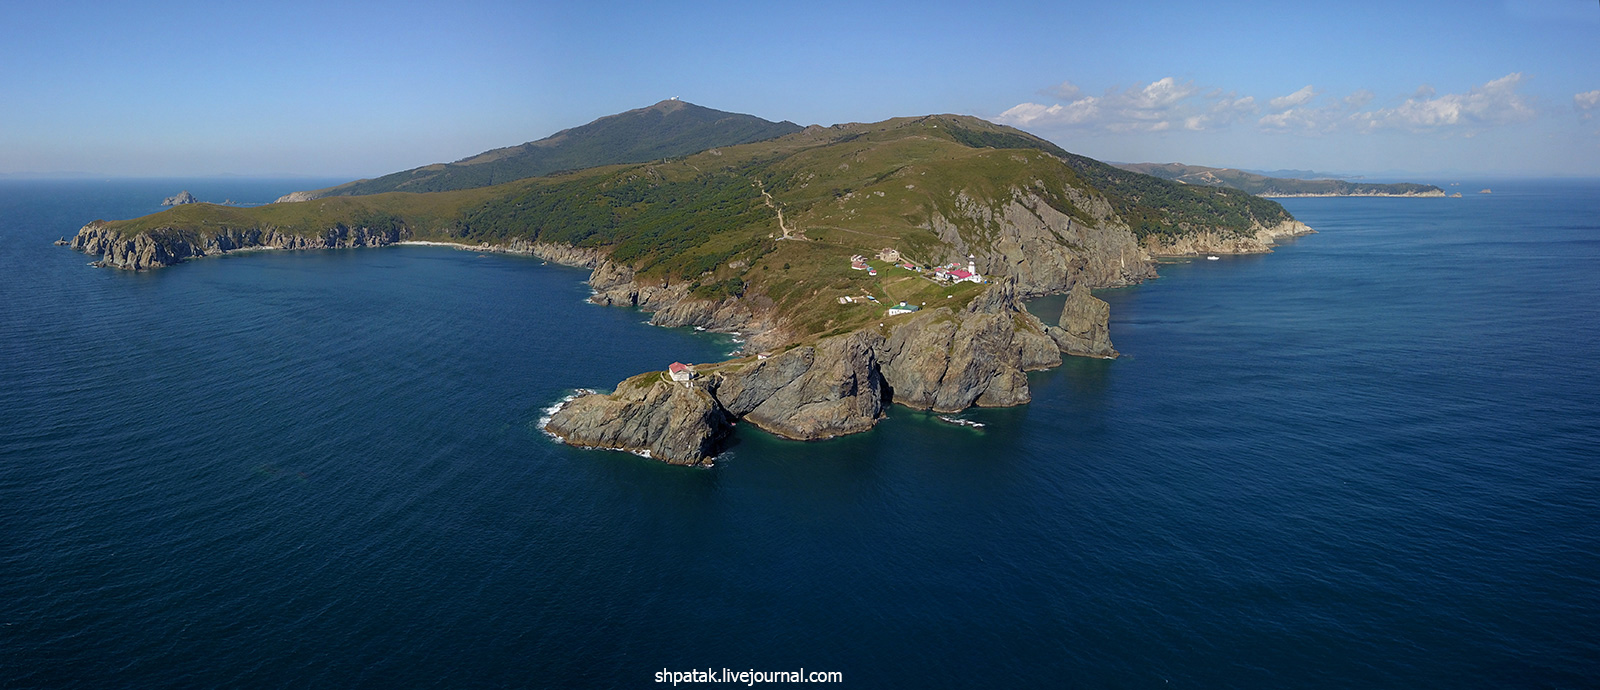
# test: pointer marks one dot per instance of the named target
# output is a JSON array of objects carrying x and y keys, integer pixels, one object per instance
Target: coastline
[{"x": 1407, "y": 195}]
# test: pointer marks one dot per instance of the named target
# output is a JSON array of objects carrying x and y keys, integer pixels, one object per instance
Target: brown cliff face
[
  {"x": 809, "y": 393},
  {"x": 1045, "y": 250}
]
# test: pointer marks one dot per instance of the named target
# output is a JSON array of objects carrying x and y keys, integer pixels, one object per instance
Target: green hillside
[
  {"x": 706, "y": 219},
  {"x": 1275, "y": 186},
  {"x": 668, "y": 129}
]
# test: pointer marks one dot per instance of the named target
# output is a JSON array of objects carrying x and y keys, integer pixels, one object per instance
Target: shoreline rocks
[
  {"x": 676, "y": 423},
  {"x": 941, "y": 359},
  {"x": 1212, "y": 242},
  {"x": 164, "y": 247}
]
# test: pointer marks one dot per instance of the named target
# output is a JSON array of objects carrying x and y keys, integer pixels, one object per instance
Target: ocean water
[{"x": 1368, "y": 459}]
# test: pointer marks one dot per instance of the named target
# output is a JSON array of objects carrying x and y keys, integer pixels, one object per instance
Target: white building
[
  {"x": 680, "y": 371},
  {"x": 902, "y": 308}
]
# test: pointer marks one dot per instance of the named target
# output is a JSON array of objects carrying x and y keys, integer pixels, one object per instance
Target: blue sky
[{"x": 1509, "y": 87}]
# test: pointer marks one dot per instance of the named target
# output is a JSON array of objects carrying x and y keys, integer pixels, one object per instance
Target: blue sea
[{"x": 1370, "y": 459}]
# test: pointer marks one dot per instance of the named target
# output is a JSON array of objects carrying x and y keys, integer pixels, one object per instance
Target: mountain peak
[
  {"x": 670, "y": 105},
  {"x": 667, "y": 129}
]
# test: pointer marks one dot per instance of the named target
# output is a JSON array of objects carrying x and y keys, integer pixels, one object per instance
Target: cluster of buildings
[
  {"x": 953, "y": 273},
  {"x": 859, "y": 263}
]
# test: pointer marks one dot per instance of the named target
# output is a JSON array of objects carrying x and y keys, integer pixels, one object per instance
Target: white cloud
[
  {"x": 1587, "y": 103},
  {"x": 1079, "y": 112},
  {"x": 1298, "y": 98},
  {"x": 1159, "y": 106},
  {"x": 1495, "y": 103},
  {"x": 1168, "y": 104}
]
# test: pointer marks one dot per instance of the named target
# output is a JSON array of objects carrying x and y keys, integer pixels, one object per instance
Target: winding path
[{"x": 787, "y": 233}]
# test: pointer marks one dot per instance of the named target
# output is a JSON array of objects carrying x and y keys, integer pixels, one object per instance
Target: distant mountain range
[
  {"x": 668, "y": 129},
  {"x": 1262, "y": 185},
  {"x": 1302, "y": 174}
]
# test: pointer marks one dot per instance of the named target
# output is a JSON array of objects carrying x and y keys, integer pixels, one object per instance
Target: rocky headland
[
  {"x": 943, "y": 359},
  {"x": 766, "y": 240}
]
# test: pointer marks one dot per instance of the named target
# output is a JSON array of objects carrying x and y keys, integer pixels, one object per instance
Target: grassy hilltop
[{"x": 667, "y": 129}]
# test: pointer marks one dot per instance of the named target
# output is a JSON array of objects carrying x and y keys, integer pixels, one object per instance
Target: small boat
[
  {"x": 62, "y": 242},
  {"x": 1213, "y": 258}
]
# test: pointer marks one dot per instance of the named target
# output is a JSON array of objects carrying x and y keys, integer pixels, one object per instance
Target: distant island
[
  {"x": 863, "y": 264},
  {"x": 1261, "y": 185}
]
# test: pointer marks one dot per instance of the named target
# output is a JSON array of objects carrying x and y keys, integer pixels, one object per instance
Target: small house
[
  {"x": 902, "y": 308},
  {"x": 680, "y": 371},
  {"x": 890, "y": 255}
]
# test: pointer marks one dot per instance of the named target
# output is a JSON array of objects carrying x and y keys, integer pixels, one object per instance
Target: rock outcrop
[
  {"x": 947, "y": 361},
  {"x": 677, "y": 423},
  {"x": 179, "y": 199},
  {"x": 554, "y": 252},
  {"x": 1085, "y": 329},
  {"x": 831, "y": 389},
  {"x": 292, "y": 197},
  {"x": 673, "y": 305},
  {"x": 164, "y": 247},
  {"x": 943, "y": 359}
]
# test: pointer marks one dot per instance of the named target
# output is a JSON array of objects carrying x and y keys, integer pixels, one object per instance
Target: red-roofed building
[{"x": 680, "y": 371}]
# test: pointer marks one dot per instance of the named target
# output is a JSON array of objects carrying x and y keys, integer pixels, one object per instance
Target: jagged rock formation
[
  {"x": 179, "y": 199},
  {"x": 1085, "y": 325},
  {"x": 948, "y": 361},
  {"x": 831, "y": 389},
  {"x": 944, "y": 360},
  {"x": 677, "y": 423}
]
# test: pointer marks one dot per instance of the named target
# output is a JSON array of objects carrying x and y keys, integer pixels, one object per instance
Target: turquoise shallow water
[{"x": 1366, "y": 460}]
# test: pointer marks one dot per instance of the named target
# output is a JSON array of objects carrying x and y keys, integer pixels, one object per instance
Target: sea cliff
[{"x": 942, "y": 359}]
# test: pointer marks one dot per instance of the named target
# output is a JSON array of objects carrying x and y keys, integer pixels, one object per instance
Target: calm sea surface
[{"x": 1370, "y": 459}]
